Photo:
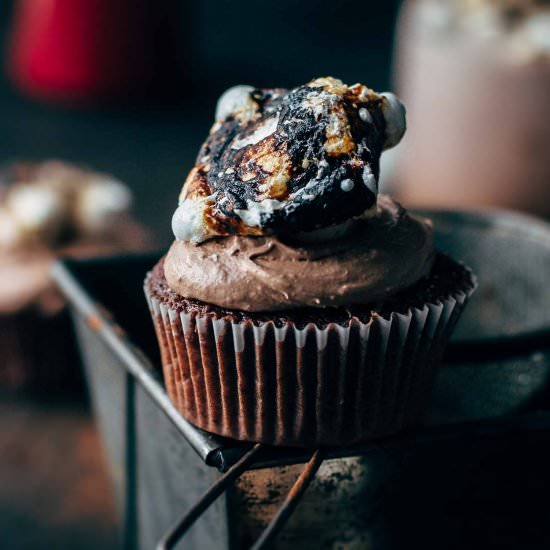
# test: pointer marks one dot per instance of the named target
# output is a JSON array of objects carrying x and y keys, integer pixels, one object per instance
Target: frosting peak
[{"x": 280, "y": 161}]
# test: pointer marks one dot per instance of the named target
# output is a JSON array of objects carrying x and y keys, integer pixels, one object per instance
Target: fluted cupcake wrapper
[{"x": 286, "y": 385}]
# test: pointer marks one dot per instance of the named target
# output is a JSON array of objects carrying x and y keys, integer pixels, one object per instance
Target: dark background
[{"x": 202, "y": 47}]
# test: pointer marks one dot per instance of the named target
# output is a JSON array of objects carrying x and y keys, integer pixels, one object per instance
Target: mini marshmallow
[
  {"x": 535, "y": 32},
  {"x": 435, "y": 15},
  {"x": 232, "y": 100},
  {"x": 252, "y": 215},
  {"x": 370, "y": 181},
  {"x": 188, "y": 222},
  {"x": 395, "y": 117},
  {"x": 365, "y": 116},
  {"x": 347, "y": 185}
]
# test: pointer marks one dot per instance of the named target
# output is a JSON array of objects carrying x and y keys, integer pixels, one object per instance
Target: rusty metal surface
[
  {"x": 178, "y": 530},
  {"x": 384, "y": 494},
  {"x": 484, "y": 493},
  {"x": 333, "y": 513},
  {"x": 290, "y": 503}
]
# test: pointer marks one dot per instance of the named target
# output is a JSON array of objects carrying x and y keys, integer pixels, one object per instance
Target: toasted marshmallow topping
[
  {"x": 188, "y": 221},
  {"x": 283, "y": 161},
  {"x": 395, "y": 117},
  {"x": 233, "y": 100}
]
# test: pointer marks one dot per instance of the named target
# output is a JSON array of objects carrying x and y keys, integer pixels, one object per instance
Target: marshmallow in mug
[
  {"x": 99, "y": 203},
  {"x": 39, "y": 211}
]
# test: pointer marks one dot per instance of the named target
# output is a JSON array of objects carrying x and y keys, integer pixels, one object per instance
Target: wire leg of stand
[
  {"x": 176, "y": 532},
  {"x": 291, "y": 501}
]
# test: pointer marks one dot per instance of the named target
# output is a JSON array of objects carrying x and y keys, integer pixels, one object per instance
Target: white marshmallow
[
  {"x": 233, "y": 99},
  {"x": 252, "y": 214},
  {"x": 347, "y": 185},
  {"x": 188, "y": 222},
  {"x": 536, "y": 32},
  {"x": 370, "y": 181},
  {"x": 395, "y": 117},
  {"x": 435, "y": 15},
  {"x": 265, "y": 130},
  {"x": 365, "y": 116}
]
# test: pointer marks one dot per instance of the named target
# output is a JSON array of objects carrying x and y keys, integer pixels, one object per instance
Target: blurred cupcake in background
[
  {"x": 475, "y": 75},
  {"x": 47, "y": 210}
]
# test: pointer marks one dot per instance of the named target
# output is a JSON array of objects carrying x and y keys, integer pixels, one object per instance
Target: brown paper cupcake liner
[{"x": 305, "y": 386}]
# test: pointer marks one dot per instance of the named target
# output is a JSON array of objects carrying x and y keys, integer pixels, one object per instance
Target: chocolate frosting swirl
[{"x": 376, "y": 257}]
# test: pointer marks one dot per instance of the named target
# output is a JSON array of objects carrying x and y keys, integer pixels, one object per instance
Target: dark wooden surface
[{"x": 54, "y": 489}]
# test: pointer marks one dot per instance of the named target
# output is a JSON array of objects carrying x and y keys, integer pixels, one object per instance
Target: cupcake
[
  {"x": 47, "y": 210},
  {"x": 297, "y": 306}
]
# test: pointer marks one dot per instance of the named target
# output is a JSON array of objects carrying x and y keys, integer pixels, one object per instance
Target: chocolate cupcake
[
  {"x": 51, "y": 209},
  {"x": 298, "y": 306}
]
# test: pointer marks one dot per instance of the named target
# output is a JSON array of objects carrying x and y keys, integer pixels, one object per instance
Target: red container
[{"x": 81, "y": 50}]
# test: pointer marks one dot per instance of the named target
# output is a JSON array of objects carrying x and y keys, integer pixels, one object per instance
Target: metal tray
[{"x": 491, "y": 391}]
